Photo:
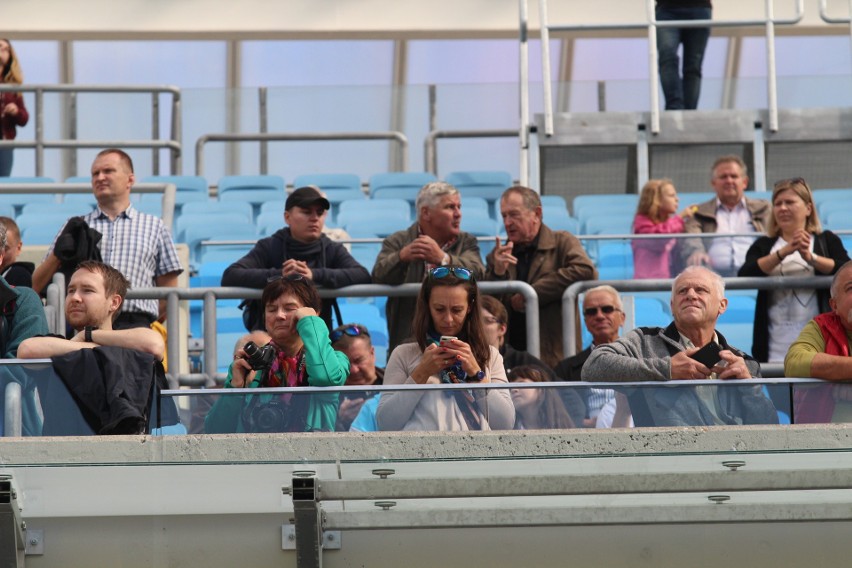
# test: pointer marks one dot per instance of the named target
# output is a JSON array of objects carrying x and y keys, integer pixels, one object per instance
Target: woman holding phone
[{"x": 450, "y": 347}]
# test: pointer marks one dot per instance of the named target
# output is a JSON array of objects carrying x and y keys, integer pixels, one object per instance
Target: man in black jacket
[
  {"x": 300, "y": 248},
  {"x": 95, "y": 295}
]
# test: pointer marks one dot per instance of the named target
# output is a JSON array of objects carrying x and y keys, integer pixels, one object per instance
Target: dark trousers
[{"x": 681, "y": 92}]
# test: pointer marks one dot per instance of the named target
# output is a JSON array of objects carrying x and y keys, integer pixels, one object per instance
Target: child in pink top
[{"x": 656, "y": 214}]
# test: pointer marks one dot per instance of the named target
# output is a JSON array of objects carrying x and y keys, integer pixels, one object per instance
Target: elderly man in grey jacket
[{"x": 675, "y": 353}]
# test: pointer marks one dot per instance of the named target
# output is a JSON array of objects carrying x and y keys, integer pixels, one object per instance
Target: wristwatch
[
  {"x": 87, "y": 333},
  {"x": 479, "y": 376}
]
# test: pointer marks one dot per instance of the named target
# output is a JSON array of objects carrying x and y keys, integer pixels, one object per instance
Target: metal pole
[
  {"x": 653, "y": 67},
  {"x": 209, "y": 326},
  {"x": 173, "y": 340},
  {"x": 12, "y": 424},
  {"x": 524, "y": 79},
  {"x": 177, "y": 135},
  {"x": 39, "y": 157},
  {"x": 771, "y": 86},
  {"x": 430, "y": 160},
  {"x": 155, "y": 132},
  {"x": 545, "y": 69},
  {"x": 262, "y": 93}
]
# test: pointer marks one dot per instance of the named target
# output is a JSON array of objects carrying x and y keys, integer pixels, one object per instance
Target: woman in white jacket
[{"x": 450, "y": 347}]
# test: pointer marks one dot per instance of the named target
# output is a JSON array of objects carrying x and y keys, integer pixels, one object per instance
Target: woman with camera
[
  {"x": 299, "y": 354},
  {"x": 450, "y": 347}
]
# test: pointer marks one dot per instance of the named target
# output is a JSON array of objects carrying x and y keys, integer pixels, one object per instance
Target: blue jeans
[
  {"x": 682, "y": 93},
  {"x": 5, "y": 162}
]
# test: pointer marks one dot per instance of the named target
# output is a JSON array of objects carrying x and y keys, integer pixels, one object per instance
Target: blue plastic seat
[
  {"x": 489, "y": 185},
  {"x": 740, "y": 310},
  {"x": 399, "y": 185},
  {"x": 336, "y": 187},
  {"x": 225, "y": 342},
  {"x": 194, "y": 234},
  {"x": 51, "y": 208},
  {"x": 557, "y": 219},
  {"x": 366, "y": 254},
  {"x": 210, "y": 274},
  {"x": 255, "y": 190},
  {"x": 358, "y": 209},
  {"x": 268, "y": 222},
  {"x": 476, "y": 206},
  {"x": 242, "y": 210},
  {"x": 823, "y": 196},
  {"x": 838, "y": 220},
  {"x": 39, "y": 234},
  {"x": 367, "y": 228},
  {"x": 189, "y": 188},
  {"x": 224, "y": 252},
  {"x": 18, "y": 200},
  {"x": 53, "y": 221},
  {"x": 609, "y": 224},
  {"x": 553, "y": 201}
]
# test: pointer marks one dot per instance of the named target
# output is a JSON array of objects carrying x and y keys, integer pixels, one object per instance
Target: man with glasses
[
  {"x": 729, "y": 212},
  {"x": 435, "y": 239},
  {"x": 603, "y": 313},
  {"x": 548, "y": 260},
  {"x": 354, "y": 341}
]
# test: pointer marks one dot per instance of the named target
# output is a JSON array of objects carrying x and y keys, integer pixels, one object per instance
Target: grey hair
[
  {"x": 609, "y": 290},
  {"x": 834, "y": 281},
  {"x": 717, "y": 280},
  {"x": 431, "y": 193},
  {"x": 2, "y": 236}
]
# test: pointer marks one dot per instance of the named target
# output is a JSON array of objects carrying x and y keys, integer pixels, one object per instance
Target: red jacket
[{"x": 10, "y": 122}]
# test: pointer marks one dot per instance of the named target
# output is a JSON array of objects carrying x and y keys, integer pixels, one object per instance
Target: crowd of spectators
[{"x": 452, "y": 334}]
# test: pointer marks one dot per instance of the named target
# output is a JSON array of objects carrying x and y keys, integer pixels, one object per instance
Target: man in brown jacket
[
  {"x": 434, "y": 240},
  {"x": 548, "y": 260}
]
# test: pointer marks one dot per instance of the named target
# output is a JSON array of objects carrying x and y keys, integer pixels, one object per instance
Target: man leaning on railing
[{"x": 689, "y": 348}]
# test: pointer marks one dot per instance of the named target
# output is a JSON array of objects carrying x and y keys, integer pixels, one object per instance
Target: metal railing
[
  {"x": 209, "y": 296},
  {"x": 769, "y": 22},
  {"x": 398, "y": 137},
  {"x": 173, "y": 144},
  {"x": 430, "y": 143},
  {"x": 569, "y": 297}
]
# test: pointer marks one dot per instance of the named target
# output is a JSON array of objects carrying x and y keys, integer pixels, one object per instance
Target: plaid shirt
[{"x": 137, "y": 245}]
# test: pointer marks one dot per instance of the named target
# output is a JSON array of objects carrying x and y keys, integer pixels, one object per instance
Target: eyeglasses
[
  {"x": 589, "y": 312},
  {"x": 443, "y": 271},
  {"x": 491, "y": 320},
  {"x": 350, "y": 330},
  {"x": 295, "y": 277}
]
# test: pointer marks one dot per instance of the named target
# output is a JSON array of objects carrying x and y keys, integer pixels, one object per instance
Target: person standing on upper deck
[
  {"x": 682, "y": 89},
  {"x": 729, "y": 212}
]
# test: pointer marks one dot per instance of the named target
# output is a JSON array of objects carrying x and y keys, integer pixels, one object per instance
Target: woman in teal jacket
[{"x": 301, "y": 355}]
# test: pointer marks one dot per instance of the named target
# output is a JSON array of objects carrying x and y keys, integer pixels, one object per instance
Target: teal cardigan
[{"x": 325, "y": 368}]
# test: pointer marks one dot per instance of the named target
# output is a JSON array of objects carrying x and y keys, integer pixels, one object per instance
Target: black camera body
[
  {"x": 259, "y": 357},
  {"x": 271, "y": 416}
]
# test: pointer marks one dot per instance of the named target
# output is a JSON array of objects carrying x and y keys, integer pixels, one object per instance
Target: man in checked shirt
[{"x": 135, "y": 243}]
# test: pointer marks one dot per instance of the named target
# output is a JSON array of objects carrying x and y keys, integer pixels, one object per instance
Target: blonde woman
[
  {"x": 13, "y": 113},
  {"x": 656, "y": 214}
]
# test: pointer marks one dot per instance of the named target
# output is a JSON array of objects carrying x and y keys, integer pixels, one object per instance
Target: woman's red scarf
[{"x": 815, "y": 405}]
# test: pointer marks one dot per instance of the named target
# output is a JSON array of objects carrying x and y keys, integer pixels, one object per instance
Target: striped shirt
[{"x": 137, "y": 245}]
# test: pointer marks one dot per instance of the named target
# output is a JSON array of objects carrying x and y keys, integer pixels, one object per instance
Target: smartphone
[
  {"x": 708, "y": 355},
  {"x": 446, "y": 339}
]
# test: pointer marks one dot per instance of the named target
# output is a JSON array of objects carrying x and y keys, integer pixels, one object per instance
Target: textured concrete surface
[{"x": 290, "y": 448}]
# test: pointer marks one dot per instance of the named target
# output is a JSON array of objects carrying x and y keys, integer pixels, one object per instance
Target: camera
[
  {"x": 259, "y": 357},
  {"x": 271, "y": 416}
]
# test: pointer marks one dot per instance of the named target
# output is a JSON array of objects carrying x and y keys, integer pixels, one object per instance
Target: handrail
[
  {"x": 169, "y": 191},
  {"x": 823, "y": 13},
  {"x": 569, "y": 297},
  {"x": 173, "y": 144},
  {"x": 395, "y": 136},
  {"x": 430, "y": 149},
  {"x": 210, "y": 295},
  {"x": 651, "y": 25}
]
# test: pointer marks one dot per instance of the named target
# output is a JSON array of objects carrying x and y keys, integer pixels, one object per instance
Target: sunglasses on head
[
  {"x": 350, "y": 330},
  {"x": 289, "y": 278},
  {"x": 589, "y": 312},
  {"x": 443, "y": 271}
]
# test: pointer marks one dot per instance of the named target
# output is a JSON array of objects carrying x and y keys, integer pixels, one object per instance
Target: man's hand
[
  {"x": 518, "y": 303},
  {"x": 698, "y": 259},
  {"x": 423, "y": 249},
  {"x": 731, "y": 367},
  {"x": 685, "y": 368},
  {"x": 503, "y": 257},
  {"x": 292, "y": 266}
]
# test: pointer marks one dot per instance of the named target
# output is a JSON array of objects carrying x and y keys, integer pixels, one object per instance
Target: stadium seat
[
  {"x": 208, "y": 230},
  {"x": 370, "y": 228},
  {"x": 839, "y": 219},
  {"x": 252, "y": 189},
  {"x": 242, "y": 209},
  {"x": 18, "y": 200},
  {"x": 557, "y": 218},
  {"x": 67, "y": 209},
  {"x": 834, "y": 196},
  {"x": 51, "y": 221},
  {"x": 224, "y": 253},
  {"x": 189, "y": 188},
  {"x": 336, "y": 187},
  {"x": 357, "y": 209},
  {"x": 476, "y": 205},
  {"x": 399, "y": 185},
  {"x": 39, "y": 234},
  {"x": 622, "y": 205},
  {"x": 614, "y": 260},
  {"x": 268, "y": 222},
  {"x": 489, "y": 185},
  {"x": 225, "y": 342},
  {"x": 609, "y": 224}
]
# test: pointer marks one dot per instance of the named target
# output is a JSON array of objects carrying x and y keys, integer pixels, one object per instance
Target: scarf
[
  {"x": 815, "y": 405},
  {"x": 302, "y": 251},
  {"x": 287, "y": 371},
  {"x": 464, "y": 398}
]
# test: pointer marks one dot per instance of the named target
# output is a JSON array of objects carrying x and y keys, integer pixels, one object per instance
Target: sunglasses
[
  {"x": 289, "y": 278},
  {"x": 350, "y": 330},
  {"x": 443, "y": 271},
  {"x": 589, "y": 312}
]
